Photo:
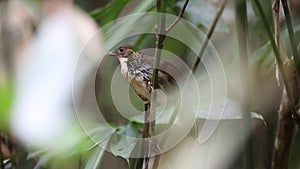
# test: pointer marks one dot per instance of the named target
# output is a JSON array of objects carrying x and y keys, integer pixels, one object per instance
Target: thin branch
[
  {"x": 275, "y": 50},
  {"x": 294, "y": 48},
  {"x": 208, "y": 36},
  {"x": 242, "y": 35},
  {"x": 285, "y": 125},
  {"x": 179, "y": 16},
  {"x": 276, "y": 7},
  {"x": 146, "y": 135},
  {"x": 289, "y": 25},
  {"x": 284, "y": 133},
  {"x": 161, "y": 35}
]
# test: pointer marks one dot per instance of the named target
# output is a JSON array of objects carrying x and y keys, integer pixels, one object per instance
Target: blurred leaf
[
  {"x": 266, "y": 5},
  {"x": 98, "y": 13},
  {"x": 6, "y": 99},
  {"x": 95, "y": 160},
  {"x": 123, "y": 146},
  {"x": 202, "y": 13},
  {"x": 120, "y": 29},
  {"x": 285, "y": 33},
  {"x": 258, "y": 116},
  {"x": 225, "y": 108},
  {"x": 123, "y": 142},
  {"x": 97, "y": 135},
  {"x": 286, "y": 39},
  {"x": 229, "y": 109},
  {"x": 43, "y": 160},
  {"x": 109, "y": 12},
  {"x": 162, "y": 117},
  {"x": 261, "y": 54},
  {"x": 36, "y": 154}
]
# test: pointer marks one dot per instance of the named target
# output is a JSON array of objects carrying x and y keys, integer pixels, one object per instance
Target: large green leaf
[{"x": 124, "y": 142}]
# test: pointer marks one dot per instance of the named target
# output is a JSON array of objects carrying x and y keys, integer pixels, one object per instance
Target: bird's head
[{"x": 122, "y": 52}]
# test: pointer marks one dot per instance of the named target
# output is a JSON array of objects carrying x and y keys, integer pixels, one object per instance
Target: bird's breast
[
  {"x": 137, "y": 78},
  {"x": 141, "y": 87}
]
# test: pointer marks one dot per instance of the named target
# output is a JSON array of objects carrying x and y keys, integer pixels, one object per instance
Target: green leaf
[
  {"x": 124, "y": 141},
  {"x": 114, "y": 31},
  {"x": 162, "y": 117},
  {"x": 109, "y": 12},
  {"x": 285, "y": 33},
  {"x": 43, "y": 160},
  {"x": 98, "y": 13},
  {"x": 259, "y": 29},
  {"x": 266, "y": 5},
  {"x": 97, "y": 135},
  {"x": 261, "y": 54},
  {"x": 123, "y": 146},
  {"x": 95, "y": 160},
  {"x": 6, "y": 100}
]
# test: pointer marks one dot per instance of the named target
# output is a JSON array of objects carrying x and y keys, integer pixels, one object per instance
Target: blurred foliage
[
  {"x": 110, "y": 12},
  {"x": 267, "y": 7},
  {"x": 6, "y": 100},
  {"x": 200, "y": 13}
]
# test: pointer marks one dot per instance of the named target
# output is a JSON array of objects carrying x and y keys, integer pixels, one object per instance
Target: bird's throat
[{"x": 124, "y": 66}]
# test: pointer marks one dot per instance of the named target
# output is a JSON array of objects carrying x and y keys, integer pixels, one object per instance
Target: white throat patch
[{"x": 124, "y": 67}]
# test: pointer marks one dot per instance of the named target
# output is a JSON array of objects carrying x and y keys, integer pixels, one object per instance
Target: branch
[
  {"x": 242, "y": 35},
  {"x": 291, "y": 35},
  {"x": 276, "y": 52},
  {"x": 276, "y": 7},
  {"x": 285, "y": 125},
  {"x": 179, "y": 16},
  {"x": 208, "y": 36},
  {"x": 285, "y": 128},
  {"x": 294, "y": 47},
  {"x": 161, "y": 35}
]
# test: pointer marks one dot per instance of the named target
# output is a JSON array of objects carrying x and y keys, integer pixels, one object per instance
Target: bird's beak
[{"x": 110, "y": 53}]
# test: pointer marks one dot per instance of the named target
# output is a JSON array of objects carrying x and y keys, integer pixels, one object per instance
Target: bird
[{"x": 137, "y": 69}]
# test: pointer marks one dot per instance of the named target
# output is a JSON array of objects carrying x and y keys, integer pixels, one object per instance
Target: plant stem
[
  {"x": 161, "y": 35},
  {"x": 242, "y": 34},
  {"x": 294, "y": 48},
  {"x": 208, "y": 36},
  {"x": 179, "y": 16},
  {"x": 276, "y": 52},
  {"x": 285, "y": 125},
  {"x": 284, "y": 134}
]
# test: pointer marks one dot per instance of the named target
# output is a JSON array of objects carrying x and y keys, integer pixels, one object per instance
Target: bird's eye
[{"x": 121, "y": 50}]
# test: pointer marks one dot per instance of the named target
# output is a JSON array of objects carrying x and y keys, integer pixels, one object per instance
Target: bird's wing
[
  {"x": 166, "y": 76},
  {"x": 165, "y": 68}
]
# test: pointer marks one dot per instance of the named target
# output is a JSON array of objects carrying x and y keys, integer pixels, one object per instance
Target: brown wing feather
[
  {"x": 165, "y": 68},
  {"x": 166, "y": 75}
]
